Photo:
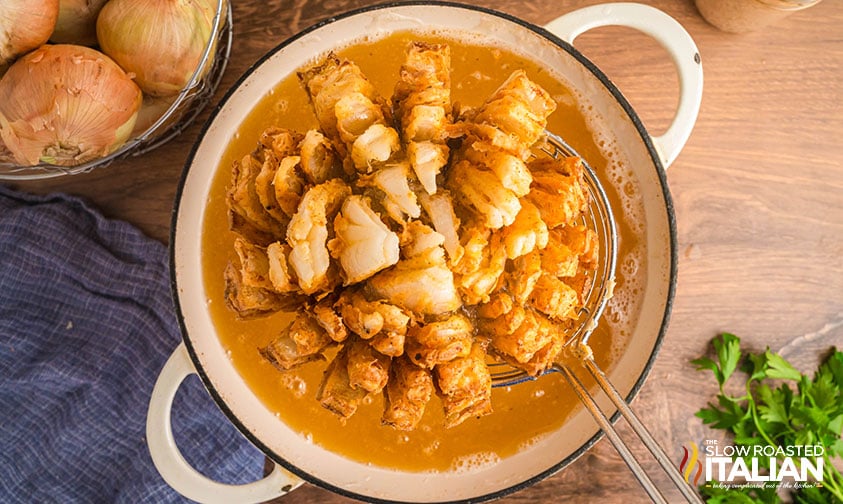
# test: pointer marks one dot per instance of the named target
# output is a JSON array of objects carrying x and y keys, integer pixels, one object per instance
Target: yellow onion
[
  {"x": 25, "y": 25},
  {"x": 152, "y": 108},
  {"x": 5, "y": 155},
  {"x": 160, "y": 41},
  {"x": 77, "y": 22},
  {"x": 66, "y": 105}
]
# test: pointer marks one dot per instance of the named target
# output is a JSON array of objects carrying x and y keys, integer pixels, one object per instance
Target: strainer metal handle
[{"x": 637, "y": 426}]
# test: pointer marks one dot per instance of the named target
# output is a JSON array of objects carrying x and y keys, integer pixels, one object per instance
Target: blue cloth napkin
[{"x": 86, "y": 323}]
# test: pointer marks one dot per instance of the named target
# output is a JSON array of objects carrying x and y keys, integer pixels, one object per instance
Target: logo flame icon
[{"x": 690, "y": 461}]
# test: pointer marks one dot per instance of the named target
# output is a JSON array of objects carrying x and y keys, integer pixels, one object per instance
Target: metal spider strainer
[{"x": 576, "y": 351}]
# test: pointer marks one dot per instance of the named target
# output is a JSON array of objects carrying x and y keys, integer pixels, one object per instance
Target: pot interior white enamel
[{"x": 649, "y": 214}]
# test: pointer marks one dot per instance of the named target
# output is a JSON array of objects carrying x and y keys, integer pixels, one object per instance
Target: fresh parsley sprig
[{"x": 771, "y": 413}]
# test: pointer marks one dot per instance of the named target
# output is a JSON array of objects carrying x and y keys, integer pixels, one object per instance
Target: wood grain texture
[{"x": 758, "y": 194}]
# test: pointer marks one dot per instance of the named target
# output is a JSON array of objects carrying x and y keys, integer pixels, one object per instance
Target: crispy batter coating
[
  {"x": 281, "y": 274},
  {"x": 421, "y": 244},
  {"x": 439, "y": 208},
  {"x": 303, "y": 340},
  {"x": 307, "y": 234},
  {"x": 328, "y": 82},
  {"x": 368, "y": 369},
  {"x": 247, "y": 215},
  {"x": 554, "y": 298},
  {"x": 489, "y": 174},
  {"x": 422, "y": 100},
  {"x": 465, "y": 384},
  {"x": 440, "y": 341},
  {"x": 327, "y": 317},
  {"x": 398, "y": 199},
  {"x": 479, "y": 271},
  {"x": 408, "y": 391},
  {"x": 521, "y": 335},
  {"x": 244, "y": 300},
  {"x": 481, "y": 192},
  {"x": 319, "y": 161},
  {"x": 527, "y": 233},
  {"x": 248, "y": 301},
  {"x": 421, "y": 281},
  {"x": 254, "y": 264},
  {"x": 363, "y": 245},
  {"x": 522, "y": 277},
  {"x": 280, "y": 183},
  {"x": 582, "y": 242},
  {"x": 390, "y": 342},
  {"x": 336, "y": 392},
  {"x": 518, "y": 333},
  {"x": 513, "y": 118},
  {"x": 558, "y": 190},
  {"x": 351, "y": 113},
  {"x": 510, "y": 170},
  {"x": 383, "y": 324}
]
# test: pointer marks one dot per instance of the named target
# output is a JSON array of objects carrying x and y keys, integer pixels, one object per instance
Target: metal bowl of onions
[{"x": 93, "y": 82}]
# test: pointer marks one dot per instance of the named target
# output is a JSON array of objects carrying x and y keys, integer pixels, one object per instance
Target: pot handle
[
  {"x": 172, "y": 466},
  {"x": 672, "y": 36}
]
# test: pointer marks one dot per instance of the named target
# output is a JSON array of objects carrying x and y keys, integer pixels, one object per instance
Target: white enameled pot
[{"x": 300, "y": 460}]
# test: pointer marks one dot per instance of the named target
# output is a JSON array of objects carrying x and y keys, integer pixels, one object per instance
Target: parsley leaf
[
  {"x": 777, "y": 367},
  {"x": 728, "y": 350},
  {"x": 775, "y": 403},
  {"x": 727, "y": 415}
]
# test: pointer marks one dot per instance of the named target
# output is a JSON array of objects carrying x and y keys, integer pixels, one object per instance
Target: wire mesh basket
[{"x": 182, "y": 111}]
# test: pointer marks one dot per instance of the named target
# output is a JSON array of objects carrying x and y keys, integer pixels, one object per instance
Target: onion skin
[
  {"x": 66, "y": 105},
  {"x": 77, "y": 22},
  {"x": 25, "y": 25},
  {"x": 160, "y": 41},
  {"x": 151, "y": 110}
]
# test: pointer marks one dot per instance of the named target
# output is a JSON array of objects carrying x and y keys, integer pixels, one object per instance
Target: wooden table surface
[{"x": 758, "y": 192}]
